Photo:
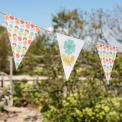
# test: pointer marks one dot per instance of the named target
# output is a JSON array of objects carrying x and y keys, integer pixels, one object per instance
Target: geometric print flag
[
  {"x": 21, "y": 35},
  {"x": 69, "y": 50},
  {"x": 107, "y": 54}
]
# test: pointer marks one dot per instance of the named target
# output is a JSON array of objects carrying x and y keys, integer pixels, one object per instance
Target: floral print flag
[
  {"x": 107, "y": 54},
  {"x": 21, "y": 35},
  {"x": 69, "y": 50}
]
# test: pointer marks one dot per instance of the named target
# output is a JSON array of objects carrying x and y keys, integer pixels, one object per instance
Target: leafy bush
[{"x": 103, "y": 110}]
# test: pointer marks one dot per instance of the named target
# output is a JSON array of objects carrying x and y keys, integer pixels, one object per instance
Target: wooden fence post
[{"x": 11, "y": 80}]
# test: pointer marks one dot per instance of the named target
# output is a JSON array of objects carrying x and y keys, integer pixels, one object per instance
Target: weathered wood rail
[{"x": 5, "y": 80}]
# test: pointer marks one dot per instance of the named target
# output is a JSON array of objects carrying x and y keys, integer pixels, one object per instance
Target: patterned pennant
[
  {"x": 21, "y": 35},
  {"x": 69, "y": 51},
  {"x": 107, "y": 54}
]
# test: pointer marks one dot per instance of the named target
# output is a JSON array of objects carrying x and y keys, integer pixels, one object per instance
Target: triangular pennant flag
[
  {"x": 21, "y": 35},
  {"x": 69, "y": 50},
  {"x": 107, "y": 54}
]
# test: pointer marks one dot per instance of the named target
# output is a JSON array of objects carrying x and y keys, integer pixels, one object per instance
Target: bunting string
[
  {"x": 46, "y": 30},
  {"x": 38, "y": 26},
  {"x": 22, "y": 33}
]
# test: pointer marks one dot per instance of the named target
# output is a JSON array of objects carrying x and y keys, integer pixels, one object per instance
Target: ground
[{"x": 22, "y": 114}]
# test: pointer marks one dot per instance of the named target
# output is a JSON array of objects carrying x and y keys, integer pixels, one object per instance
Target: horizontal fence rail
[{"x": 29, "y": 79}]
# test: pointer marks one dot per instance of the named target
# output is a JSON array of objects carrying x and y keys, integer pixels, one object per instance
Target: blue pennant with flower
[{"x": 69, "y": 49}]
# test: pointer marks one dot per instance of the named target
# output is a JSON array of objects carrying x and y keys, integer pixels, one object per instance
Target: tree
[
  {"x": 69, "y": 23},
  {"x": 4, "y": 49}
]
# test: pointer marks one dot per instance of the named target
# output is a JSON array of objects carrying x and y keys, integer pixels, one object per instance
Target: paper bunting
[
  {"x": 107, "y": 54},
  {"x": 69, "y": 51},
  {"x": 21, "y": 35}
]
